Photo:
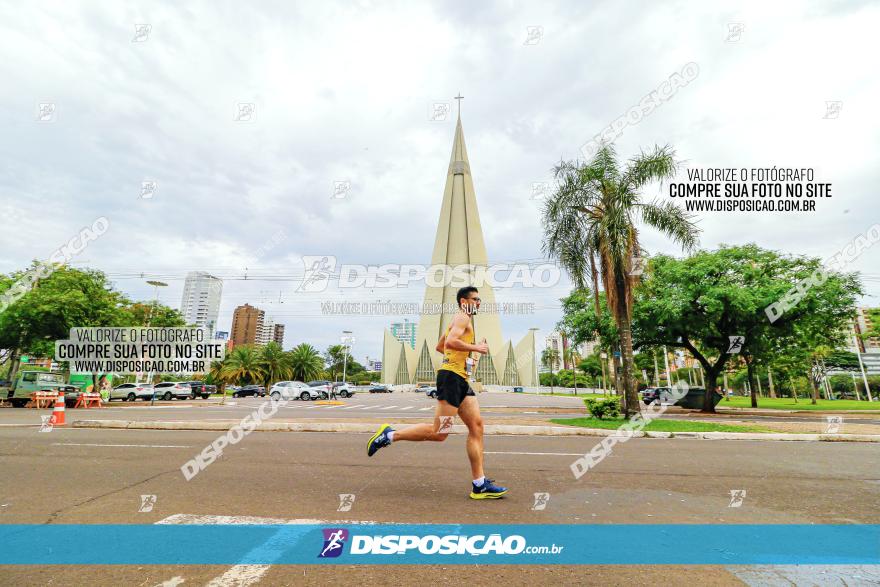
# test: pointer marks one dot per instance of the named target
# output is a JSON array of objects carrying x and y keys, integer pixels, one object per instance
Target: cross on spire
[{"x": 459, "y": 97}]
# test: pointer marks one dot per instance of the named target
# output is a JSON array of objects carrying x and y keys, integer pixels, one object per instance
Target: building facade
[
  {"x": 278, "y": 336},
  {"x": 247, "y": 325},
  {"x": 201, "y": 300}
]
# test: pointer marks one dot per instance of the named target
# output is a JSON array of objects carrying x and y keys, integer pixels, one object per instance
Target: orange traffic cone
[{"x": 57, "y": 418}]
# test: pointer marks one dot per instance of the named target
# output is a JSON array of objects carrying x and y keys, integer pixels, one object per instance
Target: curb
[{"x": 500, "y": 429}]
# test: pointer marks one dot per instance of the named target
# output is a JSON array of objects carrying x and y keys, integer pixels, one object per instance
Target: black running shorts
[{"x": 452, "y": 387}]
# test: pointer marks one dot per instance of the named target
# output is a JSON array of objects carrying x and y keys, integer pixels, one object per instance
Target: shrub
[{"x": 602, "y": 408}]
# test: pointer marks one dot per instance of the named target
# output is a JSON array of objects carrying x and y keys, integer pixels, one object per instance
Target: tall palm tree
[
  {"x": 243, "y": 365},
  {"x": 276, "y": 364},
  {"x": 595, "y": 211},
  {"x": 550, "y": 357},
  {"x": 306, "y": 362}
]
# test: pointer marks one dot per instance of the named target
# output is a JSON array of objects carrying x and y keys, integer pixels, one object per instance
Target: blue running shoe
[
  {"x": 488, "y": 490},
  {"x": 379, "y": 440}
]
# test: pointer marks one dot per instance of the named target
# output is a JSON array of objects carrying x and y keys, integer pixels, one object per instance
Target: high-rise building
[
  {"x": 405, "y": 332},
  {"x": 458, "y": 243},
  {"x": 863, "y": 324},
  {"x": 558, "y": 343},
  {"x": 278, "y": 335},
  {"x": 247, "y": 325},
  {"x": 201, "y": 300},
  {"x": 267, "y": 331}
]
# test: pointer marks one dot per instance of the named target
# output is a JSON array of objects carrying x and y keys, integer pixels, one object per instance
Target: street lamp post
[
  {"x": 347, "y": 339},
  {"x": 156, "y": 285}
]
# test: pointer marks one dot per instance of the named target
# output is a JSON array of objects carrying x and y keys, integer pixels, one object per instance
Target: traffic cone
[{"x": 57, "y": 418}]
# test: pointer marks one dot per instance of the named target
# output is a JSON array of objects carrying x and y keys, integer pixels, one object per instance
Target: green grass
[
  {"x": 787, "y": 403},
  {"x": 660, "y": 425}
]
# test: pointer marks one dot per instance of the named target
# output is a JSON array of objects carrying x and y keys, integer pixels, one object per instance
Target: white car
[
  {"x": 171, "y": 389},
  {"x": 293, "y": 390},
  {"x": 131, "y": 392}
]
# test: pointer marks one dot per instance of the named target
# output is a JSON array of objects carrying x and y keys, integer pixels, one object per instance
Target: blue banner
[{"x": 564, "y": 544}]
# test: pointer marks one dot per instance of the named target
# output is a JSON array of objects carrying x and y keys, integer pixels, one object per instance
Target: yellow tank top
[{"x": 458, "y": 361}]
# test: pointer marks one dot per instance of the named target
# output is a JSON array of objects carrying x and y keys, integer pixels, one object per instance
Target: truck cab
[{"x": 27, "y": 382}]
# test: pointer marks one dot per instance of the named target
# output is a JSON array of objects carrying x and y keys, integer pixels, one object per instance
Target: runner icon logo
[{"x": 334, "y": 540}]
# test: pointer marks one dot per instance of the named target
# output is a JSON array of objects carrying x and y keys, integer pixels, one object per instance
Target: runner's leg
[
  {"x": 427, "y": 431},
  {"x": 469, "y": 412}
]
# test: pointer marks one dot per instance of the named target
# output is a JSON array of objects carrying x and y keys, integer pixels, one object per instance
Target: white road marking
[
  {"x": 406, "y": 408},
  {"x": 123, "y": 445},
  {"x": 424, "y": 409},
  {"x": 352, "y": 407},
  {"x": 388, "y": 408},
  {"x": 244, "y": 575},
  {"x": 557, "y": 454},
  {"x": 367, "y": 407}
]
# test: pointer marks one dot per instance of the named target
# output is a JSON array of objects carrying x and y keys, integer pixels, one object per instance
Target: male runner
[{"x": 454, "y": 396}]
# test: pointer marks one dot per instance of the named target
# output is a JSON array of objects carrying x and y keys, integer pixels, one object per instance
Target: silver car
[
  {"x": 293, "y": 390},
  {"x": 131, "y": 391}
]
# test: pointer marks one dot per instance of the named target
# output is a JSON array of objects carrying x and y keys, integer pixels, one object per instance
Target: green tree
[
  {"x": 599, "y": 204},
  {"x": 550, "y": 357},
  {"x": 277, "y": 365},
  {"x": 150, "y": 314},
  {"x": 244, "y": 365},
  {"x": 700, "y": 302},
  {"x": 306, "y": 362}
]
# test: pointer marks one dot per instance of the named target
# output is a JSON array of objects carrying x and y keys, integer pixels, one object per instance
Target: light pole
[
  {"x": 533, "y": 330},
  {"x": 666, "y": 363},
  {"x": 156, "y": 285},
  {"x": 347, "y": 339},
  {"x": 864, "y": 376}
]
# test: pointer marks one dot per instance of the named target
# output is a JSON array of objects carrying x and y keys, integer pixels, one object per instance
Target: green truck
[{"x": 27, "y": 382}]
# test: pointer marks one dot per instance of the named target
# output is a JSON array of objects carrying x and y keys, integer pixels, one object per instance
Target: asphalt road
[{"x": 98, "y": 476}]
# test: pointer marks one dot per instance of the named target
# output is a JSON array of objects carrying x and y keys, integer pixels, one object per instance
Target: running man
[{"x": 454, "y": 396}]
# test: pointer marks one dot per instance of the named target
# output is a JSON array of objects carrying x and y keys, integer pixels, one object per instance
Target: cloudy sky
[{"x": 344, "y": 92}]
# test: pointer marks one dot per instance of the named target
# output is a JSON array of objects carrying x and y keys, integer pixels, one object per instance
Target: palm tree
[
  {"x": 306, "y": 362},
  {"x": 216, "y": 377},
  {"x": 550, "y": 357},
  {"x": 276, "y": 364},
  {"x": 594, "y": 212},
  {"x": 572, "y": 357},
  {"x": 243, "y": 365}
]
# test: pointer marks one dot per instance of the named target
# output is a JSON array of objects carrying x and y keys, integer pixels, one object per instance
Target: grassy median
[
  {"x": 660, "y": 425},
  {"x": 787, "y": 403}
]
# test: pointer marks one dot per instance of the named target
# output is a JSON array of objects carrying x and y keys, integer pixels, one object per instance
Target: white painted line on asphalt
[
  {"x": 424, "y": 409},
  {"x": 406, "y": 408},
  {"x": 123, "y": 445},
  {"x": 351, "y": 407},
  {"x": 557, "y": 454},
  {"x": 388, "y": 408},
  {"x": 244, "y": 575},
  {"x": 367, "y": 407}
]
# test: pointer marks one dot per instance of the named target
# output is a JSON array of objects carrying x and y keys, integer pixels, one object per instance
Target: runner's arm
[
  {"x": 440, "y": 345},
  {"x": 453, "y": 339}
]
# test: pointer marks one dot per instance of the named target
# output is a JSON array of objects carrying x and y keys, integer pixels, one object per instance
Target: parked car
[
  {"x": 250, "y": 390},
  {"x": 131, "y": 391},
  {"x": 343, "y": 388},
  {"x": 518, "y": 389},
  {"x": 380, "y": 389},
  {"x": 322, "y": 387},
  {"x": 199, "y": 388},
  {"x": 28, "y": 382},
  {"x": 293, "y": 390},
  {"x": 658, "y": 394},
  {"x": 171, "y": 389},
  {"x": 431, "y": 391}
]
